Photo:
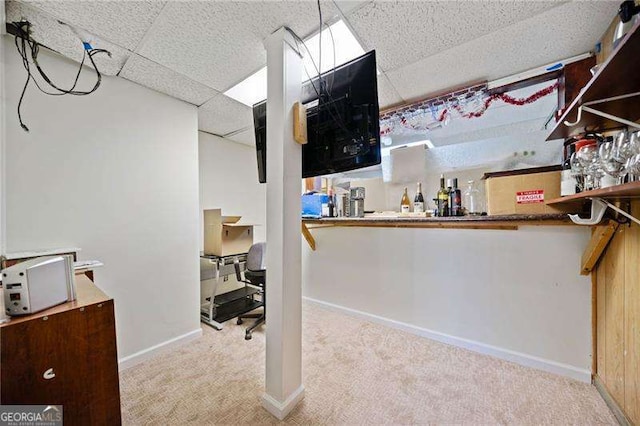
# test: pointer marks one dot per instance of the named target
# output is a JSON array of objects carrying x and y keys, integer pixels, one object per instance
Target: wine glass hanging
[{"x": 434, "y": 113}]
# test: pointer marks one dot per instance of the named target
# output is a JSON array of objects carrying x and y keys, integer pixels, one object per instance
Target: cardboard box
[
  {"x": 223, "y": 236},
  {"x": 522, "y": 192}
]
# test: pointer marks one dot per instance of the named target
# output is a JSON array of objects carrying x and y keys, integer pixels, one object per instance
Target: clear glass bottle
[
  {"x": 472, "y": 200},
  {"x": 405, "y": 204}
]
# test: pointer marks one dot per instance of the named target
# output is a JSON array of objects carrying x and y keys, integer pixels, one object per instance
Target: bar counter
[{"x": 498, "y": 222}]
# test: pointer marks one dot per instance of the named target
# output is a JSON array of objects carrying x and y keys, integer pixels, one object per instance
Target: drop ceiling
[{"x": 196, "y": 50}]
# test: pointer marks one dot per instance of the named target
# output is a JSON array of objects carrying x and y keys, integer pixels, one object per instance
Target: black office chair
[{"x": 254, "y": 274}]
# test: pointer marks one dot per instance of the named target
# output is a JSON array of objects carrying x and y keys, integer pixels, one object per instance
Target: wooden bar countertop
[{"x": 509, "y": 222}]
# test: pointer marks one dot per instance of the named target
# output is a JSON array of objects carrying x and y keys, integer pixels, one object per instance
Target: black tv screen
[{"x": 343, "y": 126}]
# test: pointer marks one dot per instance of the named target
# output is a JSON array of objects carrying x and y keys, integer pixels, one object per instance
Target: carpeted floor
[{"x": 355, "y": 372}]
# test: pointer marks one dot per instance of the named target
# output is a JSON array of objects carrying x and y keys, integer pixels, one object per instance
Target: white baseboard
[
  {"x": 282, "y": 409},
  {"x": 145, "y": 354},
  {"x": 483, "y": 348}
]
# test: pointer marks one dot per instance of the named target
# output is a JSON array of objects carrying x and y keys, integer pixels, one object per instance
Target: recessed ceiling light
[{"x": 253, "y": 89}]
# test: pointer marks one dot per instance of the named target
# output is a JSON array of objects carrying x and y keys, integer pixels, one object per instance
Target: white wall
[
  {"x": 229, "y": 180},
  {"x": 513, "y": 294},
  {"x": 115, "y": 173}
]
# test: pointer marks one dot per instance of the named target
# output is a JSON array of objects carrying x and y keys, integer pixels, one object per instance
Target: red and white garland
[{"x": 416, "y": 122}]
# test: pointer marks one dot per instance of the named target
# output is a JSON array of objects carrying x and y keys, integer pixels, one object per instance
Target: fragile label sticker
[{"x": 528, "y": 197}]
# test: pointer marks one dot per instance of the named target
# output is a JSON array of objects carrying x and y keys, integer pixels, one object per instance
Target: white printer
[{"x": 38, "y": 284}]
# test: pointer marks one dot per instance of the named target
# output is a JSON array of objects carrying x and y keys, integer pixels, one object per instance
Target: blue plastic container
[{"x": 312, "y": 204}]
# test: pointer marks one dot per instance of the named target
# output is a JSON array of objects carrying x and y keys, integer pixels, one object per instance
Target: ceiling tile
[
  {"x": 121, "y": 22},
  {"x": 49, "y": 32},
  {"x": 222, "y": 115},
  {"x": 348, "y": 6},
  {"x": 387, "y": 94},
  {"x": 245, "y": 137},
  {"x": 220, "y": 43},
  {"x": 525, "y": 45},
  {"x": 403, "y": 32},
  {"x": 154, "y": 76}
]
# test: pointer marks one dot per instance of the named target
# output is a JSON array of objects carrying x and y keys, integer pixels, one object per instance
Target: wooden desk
[{"x": 76, "y": 341}]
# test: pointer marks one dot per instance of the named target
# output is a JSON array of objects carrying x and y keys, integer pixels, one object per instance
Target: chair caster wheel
[
  {"x": 247, "y": 336},
  {"x": 239, "y": 321}
]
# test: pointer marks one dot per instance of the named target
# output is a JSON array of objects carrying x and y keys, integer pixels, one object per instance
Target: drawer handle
[{"x": 49, "y": 374}]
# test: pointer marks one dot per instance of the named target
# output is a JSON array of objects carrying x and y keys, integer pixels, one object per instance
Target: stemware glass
[
  {"x": 633, "y": 167},
  {"x": 623, "y": 147},
  {"x": 577, "y": 171},
  {"x": 634, "y": 142},
  {"x": 590, "y": 161},
  {"x": 610, "y": 163}
]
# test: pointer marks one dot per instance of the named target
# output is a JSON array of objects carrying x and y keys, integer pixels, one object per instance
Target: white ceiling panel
[
  {"x": 403, "y": 32},
  {"x": 157, "y": 77},
  {"x": 245, "y": 137},
  {"x": 219, "y": 43},
  {"x": 49, "y": 32},
  {"x": 222, "y": 115},
  {"x": 387, "y": 94},
  {"x": 565, "y": 31},
  {"x": 121, "y": 22},
  {"x": 348, "y": 6}
]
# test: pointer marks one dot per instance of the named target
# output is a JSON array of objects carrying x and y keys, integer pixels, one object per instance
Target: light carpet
[{"x": 355, "y": 372}]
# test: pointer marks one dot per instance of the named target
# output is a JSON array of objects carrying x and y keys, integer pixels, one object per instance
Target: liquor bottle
[
  {"x": 455, "y": 199},
  {"x": 331, "y": 204},
  {"x": 418, "y": 201},
  {"x": 405, "y": 204},
  {"x": 472, "y": 200},
  {"x": 443, "y": 199}
]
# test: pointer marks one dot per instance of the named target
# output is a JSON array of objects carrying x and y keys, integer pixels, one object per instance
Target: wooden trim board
[{"x": 611, "y": 403}]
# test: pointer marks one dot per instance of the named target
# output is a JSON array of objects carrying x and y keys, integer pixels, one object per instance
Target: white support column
[
  {"x": 3, "y": 133},
  {"x": 283, "y": 385}
]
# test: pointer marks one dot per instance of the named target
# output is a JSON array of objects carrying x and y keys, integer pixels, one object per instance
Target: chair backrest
[{"x": 257, "y": 258}]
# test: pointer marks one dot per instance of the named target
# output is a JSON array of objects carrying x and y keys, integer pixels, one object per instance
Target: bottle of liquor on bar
[
  {"x": 472, "y": 200},
  {"x": 418, "y": 201},
  {"x": 405, "y": 204},
  {"x": 443, "y": 199},
  {"x": 455, "y": 199},
  {"x": 331, "y": 204}
]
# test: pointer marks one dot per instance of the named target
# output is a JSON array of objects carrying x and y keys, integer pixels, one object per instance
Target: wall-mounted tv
[{"x": 343, "y": 123}]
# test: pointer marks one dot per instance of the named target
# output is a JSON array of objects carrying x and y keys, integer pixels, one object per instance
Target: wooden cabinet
[
  {"x": 618, "y": 318},
  {"x": 64, "y": 355},
  {"x": 616, "y": 81}
]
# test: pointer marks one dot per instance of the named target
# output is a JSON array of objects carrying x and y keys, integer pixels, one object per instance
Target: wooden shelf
[
  {"x": 612, "y": 193},
  {"x": 617, "y": 76}
]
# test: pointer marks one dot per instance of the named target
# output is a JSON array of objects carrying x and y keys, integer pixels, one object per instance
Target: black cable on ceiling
[{"x": 29, "y": 48}]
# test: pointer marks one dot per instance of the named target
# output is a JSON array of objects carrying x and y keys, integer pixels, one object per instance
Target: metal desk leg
[{"x": 208, "y": 319}]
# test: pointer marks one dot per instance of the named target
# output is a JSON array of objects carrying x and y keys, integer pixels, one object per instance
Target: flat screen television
[{"x": 343, "y": 123}]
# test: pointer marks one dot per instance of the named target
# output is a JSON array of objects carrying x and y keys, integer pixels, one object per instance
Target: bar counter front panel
[{"x": 516, "y": 295}]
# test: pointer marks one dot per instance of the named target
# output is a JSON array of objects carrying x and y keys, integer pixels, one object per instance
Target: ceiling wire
[
  {"x": 317, "y": 90},
  {"x": 27, "y": 47}
]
